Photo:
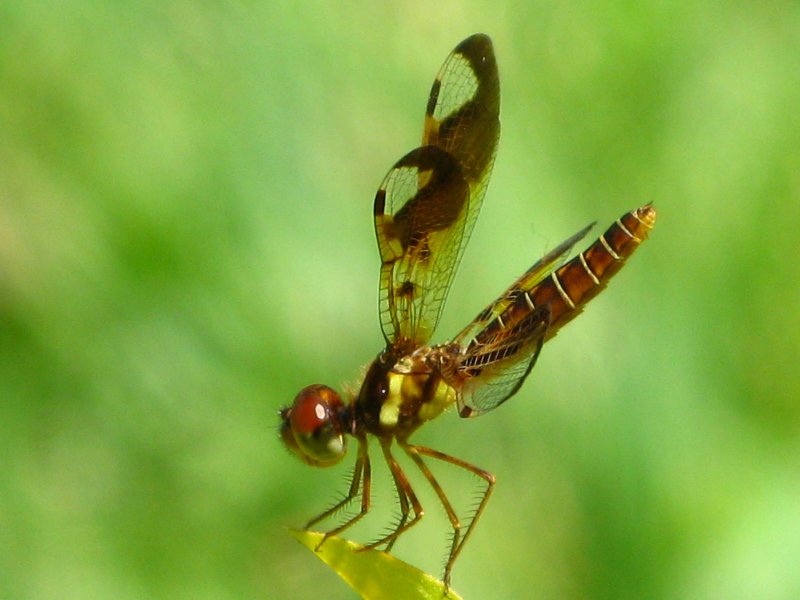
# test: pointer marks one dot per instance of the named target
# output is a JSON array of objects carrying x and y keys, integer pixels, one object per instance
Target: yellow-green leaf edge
[{"x": 373, "y": 574}]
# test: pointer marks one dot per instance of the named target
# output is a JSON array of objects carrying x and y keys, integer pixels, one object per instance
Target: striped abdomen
[
  {"x": 568, "y": 289},
  {"x": 497, "y": 350}
]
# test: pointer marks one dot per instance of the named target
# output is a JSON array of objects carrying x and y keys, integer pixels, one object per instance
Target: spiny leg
[
  {"x": 355, "y": 485},
  {"x": 362, "y": 478},
  {"x": 455, "y": 522},
  {"x": 402, "y": 497},
  {"x": 458, "y": 540},
  {"x": 405, "y": 495}
]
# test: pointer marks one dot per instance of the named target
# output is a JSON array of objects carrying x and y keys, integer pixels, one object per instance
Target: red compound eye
[{"x": 311, "y": 426}]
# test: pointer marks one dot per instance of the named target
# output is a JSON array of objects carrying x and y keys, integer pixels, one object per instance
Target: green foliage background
[{"x": 185, "y": 241}]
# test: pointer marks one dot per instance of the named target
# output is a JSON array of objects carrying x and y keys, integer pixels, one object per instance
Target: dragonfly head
[{"x": 312, "y": 426}]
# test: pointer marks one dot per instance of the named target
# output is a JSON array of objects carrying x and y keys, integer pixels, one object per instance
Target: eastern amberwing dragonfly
[{"x": 424, "y": 212}]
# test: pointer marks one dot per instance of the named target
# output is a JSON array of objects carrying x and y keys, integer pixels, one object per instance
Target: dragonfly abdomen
[{"x": 569, "y": 288}]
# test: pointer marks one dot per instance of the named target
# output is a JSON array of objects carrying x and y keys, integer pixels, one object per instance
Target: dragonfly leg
[
  {"x": 416, "y": 453},
  {"x": 361, "y": 482},
  {"x": 409, "y": 504}
]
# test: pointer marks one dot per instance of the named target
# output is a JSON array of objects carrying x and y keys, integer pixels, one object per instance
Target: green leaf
[{"x": 373, "y": 574}]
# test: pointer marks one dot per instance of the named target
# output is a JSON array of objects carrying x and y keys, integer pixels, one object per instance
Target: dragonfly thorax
[{"x": 400, "y": 394}]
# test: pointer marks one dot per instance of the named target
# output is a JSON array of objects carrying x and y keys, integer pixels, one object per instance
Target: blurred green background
[{"x": 186, "y": 241}]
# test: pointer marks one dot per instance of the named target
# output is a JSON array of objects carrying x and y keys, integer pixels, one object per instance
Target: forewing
[
  {"x": 427, "y": 204},
  {"x": 462, "y": 116}
]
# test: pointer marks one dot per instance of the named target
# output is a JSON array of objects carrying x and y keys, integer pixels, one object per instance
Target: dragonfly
[{"x": 424, "y": 212}]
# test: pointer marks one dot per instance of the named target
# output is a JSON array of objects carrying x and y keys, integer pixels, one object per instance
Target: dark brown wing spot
[
  {"x": 406, "y": 289},
  {"x": 437, "y": 204},
  {"x": 434, "y": 97},
  {"x": 379, "y": 208}
]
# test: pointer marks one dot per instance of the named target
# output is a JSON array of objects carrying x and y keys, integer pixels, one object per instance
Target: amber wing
[
  {"x": 428, "y": 202},
  {"x": 502, "y": 343}
]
